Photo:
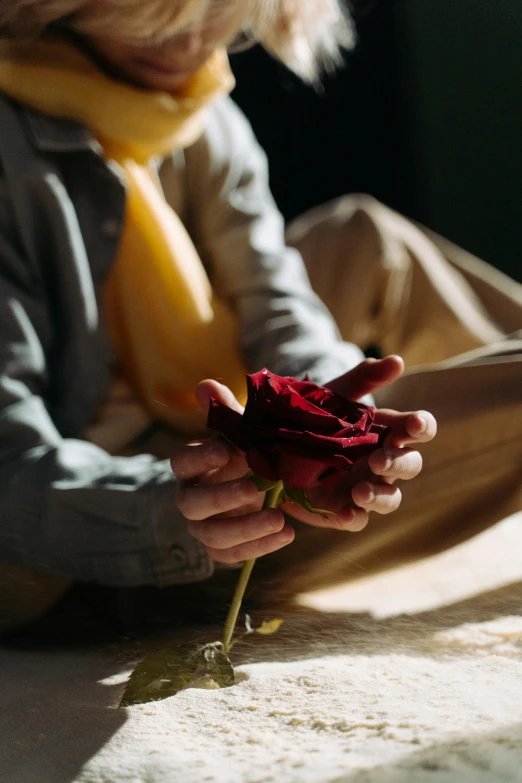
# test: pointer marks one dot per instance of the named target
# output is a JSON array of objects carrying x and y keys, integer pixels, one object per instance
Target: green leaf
[
  {"x": 162, "y": 674},
  {"x": 299, "y": 496},
  {"x": 262, "y": 484},
  {"x": 219, "y": 666},
  {"x": 268, "y": 627}
]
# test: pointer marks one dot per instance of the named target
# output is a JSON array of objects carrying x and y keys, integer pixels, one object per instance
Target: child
[{"x": 140, "y": 252}]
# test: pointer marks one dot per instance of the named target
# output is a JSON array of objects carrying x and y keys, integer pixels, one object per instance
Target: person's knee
[{"x": 349, "y": 205}]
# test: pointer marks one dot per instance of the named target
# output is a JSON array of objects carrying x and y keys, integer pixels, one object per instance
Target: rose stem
[{"x": 272, "y": 499}]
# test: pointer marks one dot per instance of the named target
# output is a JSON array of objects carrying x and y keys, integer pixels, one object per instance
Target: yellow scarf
[{"x": 169, "y": 330}]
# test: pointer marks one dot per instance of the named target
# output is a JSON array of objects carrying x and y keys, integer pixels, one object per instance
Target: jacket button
[
  {"x": 111, "y": 228},
  {"x": 177, "y": 555}
]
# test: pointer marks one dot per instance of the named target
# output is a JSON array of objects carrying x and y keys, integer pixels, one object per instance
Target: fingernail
[
  {"x": 365, "y": 493},
  {"x": 386, "y": 463},
  {"x": 347, "y": 517},
  {"x": 286, "y": 534},
  {"x": 359, "y": 520},
  {"x": 424, "y": 422}
]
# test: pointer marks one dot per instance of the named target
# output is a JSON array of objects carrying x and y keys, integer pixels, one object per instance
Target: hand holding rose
[{"x": 225, "y": 509}]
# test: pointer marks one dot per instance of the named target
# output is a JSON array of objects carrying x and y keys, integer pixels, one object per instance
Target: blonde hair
[{"x": 306, "y": 35}]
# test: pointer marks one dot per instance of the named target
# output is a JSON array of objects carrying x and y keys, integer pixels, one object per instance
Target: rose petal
[
  {"x": 309, "y": 406},
  {"x": 381, "y": 429},
  {"x": 325, "y": 443},
  {"x": 304, "y": 472},
  {"x": 299, "y": 471},
  {"x": 297, "y": 431},
  {"x": 229, "y": 422},
  {"x": 291, "y": 409},
  {"x": 261, "y": 465}
]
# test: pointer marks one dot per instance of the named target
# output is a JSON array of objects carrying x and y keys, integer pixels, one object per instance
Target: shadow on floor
[
  {"x": 309, "y": 633},
  {"x": 134, "y": 621},
  {"x": 54, "y": 713}
]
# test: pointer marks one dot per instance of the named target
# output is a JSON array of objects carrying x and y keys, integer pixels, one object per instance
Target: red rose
[{"x": 296, "y": 431}]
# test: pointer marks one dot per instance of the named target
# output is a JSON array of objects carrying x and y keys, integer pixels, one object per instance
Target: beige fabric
[{"x": 390, "y": 284}]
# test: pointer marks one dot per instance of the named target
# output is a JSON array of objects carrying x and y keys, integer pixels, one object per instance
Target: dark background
[{"x": 426, "y": 116}]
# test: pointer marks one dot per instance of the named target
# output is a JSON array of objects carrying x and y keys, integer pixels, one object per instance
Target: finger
[
  {"x": 369, "y": 376},
  {"x": 414, "y": 427},
  {"x": 237, "y": 467},
  {"x": 248, "y": 508},
  {"x": 253, "y": 549},
  {"x": 403, "y": 464},
  {"x": 353, "y": 520},
  {"x": 200, "y": 502},
  {"x": 210, "y": 389},
  {"x": 194, "y": 459},
  {"x": 227, "y": 533},
  {"x": 381, "y": 498},
  {"x": 298, "y": 512},
  {"x": 348, "y": 519}
]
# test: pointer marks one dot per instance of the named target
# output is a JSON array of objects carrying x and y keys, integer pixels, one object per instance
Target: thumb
[
  {"x": 369, "y": 376},
  {"x": 210, "y": 389}
]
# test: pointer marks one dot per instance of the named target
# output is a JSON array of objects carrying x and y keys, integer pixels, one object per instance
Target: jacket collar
[{"x": 52, "y": 134}]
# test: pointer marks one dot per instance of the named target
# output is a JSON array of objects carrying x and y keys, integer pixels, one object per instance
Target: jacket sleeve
[
  {"x": 66, "y": 505},
  {"x": 240, "y": 232}
]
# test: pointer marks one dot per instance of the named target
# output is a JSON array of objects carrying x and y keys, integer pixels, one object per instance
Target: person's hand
[
  {"x": 369, "y": 486},
  {"x": 223, "y": 508}
]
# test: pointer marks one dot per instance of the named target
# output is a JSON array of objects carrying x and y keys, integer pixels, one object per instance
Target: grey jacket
[{"x": 66, "y": 505}]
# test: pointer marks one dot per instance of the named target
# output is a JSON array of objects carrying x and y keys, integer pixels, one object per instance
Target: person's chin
[{"x": 156, "y": 79}]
